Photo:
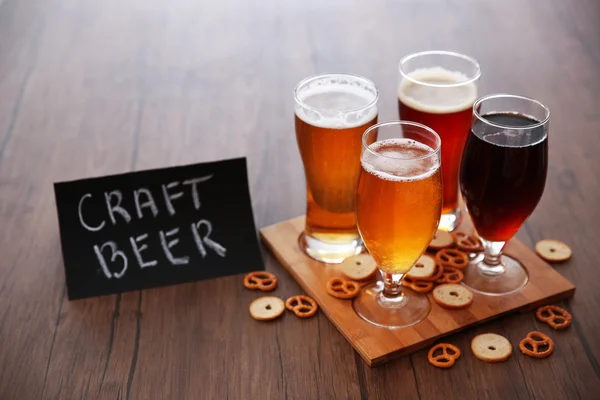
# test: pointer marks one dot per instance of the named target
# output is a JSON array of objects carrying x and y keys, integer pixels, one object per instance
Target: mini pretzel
[
  {"x": 445, "y": 360},
  {"x": 554, "y": 316},
  {"x": 343, "y": 289},
  {"x": 466, "y": 242},
  {"x": 302, "y": 306},
  {"x": 261, "y": 280},
  {"x": 436, "y": 275},
  {"x": 452, "y": 258},
  {"x": 420, "y": 286},
  {"x": 451, "y": 275},
  {"x": 536, "y": 340}
]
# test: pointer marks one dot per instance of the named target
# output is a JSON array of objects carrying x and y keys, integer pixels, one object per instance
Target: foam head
[
  {"x": 401, "y": 160},
  {"x": 336, "y": 103},
  {"x": 437, "y": 91}
]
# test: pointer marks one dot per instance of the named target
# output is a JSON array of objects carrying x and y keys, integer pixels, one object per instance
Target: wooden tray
[{"x": 379, "y": 345}]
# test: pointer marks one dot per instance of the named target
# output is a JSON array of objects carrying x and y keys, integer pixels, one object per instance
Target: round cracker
[
  {"x": 423, "y": 268},
  {"x": 359, "y": 267},
  {"x": 491, "y": 347},
  {"x": 452, "y": 295},
  {"x": 267, "y": 308},
  {"x": 553, "y": 250},
  {"x": 441, "y": 240}
]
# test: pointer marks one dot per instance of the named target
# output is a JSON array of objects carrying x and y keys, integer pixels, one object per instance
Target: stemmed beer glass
[
  {"x": 503, "y": 174},
  {"x": 398, "y": 207}
]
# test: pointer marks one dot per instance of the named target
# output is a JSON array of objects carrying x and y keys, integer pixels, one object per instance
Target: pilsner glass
[
  {"x": 438, "y": 89},
  {"x": 503, "y": 174},
  {"x": 399, "y": 202},
  {"x": 331, "y": 113}
]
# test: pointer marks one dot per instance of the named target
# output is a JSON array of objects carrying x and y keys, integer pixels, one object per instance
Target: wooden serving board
[{"x": 378, "y": 345}]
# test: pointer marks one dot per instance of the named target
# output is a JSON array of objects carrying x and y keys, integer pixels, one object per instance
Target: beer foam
[
  {"x": 332, "y": 106},
  {"x": 437, "y": 99},
  {"x": 393, "y": 160}
]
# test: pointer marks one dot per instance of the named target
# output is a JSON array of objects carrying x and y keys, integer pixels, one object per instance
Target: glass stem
[
  {"x": 391, "y": 285},
  {"x": 491, "y": 263}
]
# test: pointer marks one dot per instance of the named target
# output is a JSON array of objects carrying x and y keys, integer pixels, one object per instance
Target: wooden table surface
[{"x": 91, "y": 87}]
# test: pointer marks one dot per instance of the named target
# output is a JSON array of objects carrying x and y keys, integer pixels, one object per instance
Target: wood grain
[{"x": 98, "y": 87}]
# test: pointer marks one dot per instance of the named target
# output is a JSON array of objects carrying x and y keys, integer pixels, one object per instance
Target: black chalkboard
[{"x": 157, "y": 227}]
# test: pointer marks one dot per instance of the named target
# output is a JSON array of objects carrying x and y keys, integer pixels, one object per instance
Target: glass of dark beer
[
  {"x": 438, "y": 89},
  {"x": 502, "y": 178}
]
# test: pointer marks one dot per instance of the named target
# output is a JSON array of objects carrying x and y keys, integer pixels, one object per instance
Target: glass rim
[
  {"x": 411, "y": 56},
  {"x": 336, "y": 74},
  {"x": 481, "y": 118},
  {"x": 435, "y": 151}
]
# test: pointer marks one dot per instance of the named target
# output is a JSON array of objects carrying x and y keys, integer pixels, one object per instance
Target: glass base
[
  {"x": 405, "y": 310},
  {"x": 330, "y": 253},
  {"x": 450, "y": 220},
  {"x": 507, "y": 278}
]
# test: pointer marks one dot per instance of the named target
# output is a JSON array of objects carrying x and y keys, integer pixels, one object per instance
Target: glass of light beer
[
  {"x": 399, "y": 202},
  {"x": 331, "y": 113},
  {"x": 438, "y": 89}
]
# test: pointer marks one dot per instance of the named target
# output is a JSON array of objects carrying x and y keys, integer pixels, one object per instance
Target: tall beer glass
[
  {"x": 502, "y": 179},
  {"x": 399, "y": 202},
  {"x": 332, "y": 112},
  {"x": 438, "y": 89}
]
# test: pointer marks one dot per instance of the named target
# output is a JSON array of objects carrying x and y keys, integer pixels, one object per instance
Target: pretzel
[
  {"x": 535, "y": 340},
  {"x": 261, "y": 280},
  {"x": 420, "y": 286},
  {"x": 467, "y": 242},
  {"x": 406, "y": 281},
  {"x": 446, "y": 359},
  {"x": 452, "y": 258},
  {"x": 342, "y": 289},
  {"x": 302, "y": 306},
  {"x": 436, "y": 275},
  {"x": 451, "y": 275},
  {"x": 557, "y": 317}
]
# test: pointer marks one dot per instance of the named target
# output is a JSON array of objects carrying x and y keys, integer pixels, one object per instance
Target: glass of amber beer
[
  {"x": 438, "y": 89},
  {"x": 503, "y": 174},
  {"x": 399, "y": 202},
  {"x": 331, "y": 113}
]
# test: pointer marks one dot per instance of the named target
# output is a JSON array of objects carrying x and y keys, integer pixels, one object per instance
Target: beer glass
[
  {"x": 399, "y": 202},
  {"x": 438, "y": 89},
  {"x": 502, "y": 179},
  {"x": 331, "y": 113}
]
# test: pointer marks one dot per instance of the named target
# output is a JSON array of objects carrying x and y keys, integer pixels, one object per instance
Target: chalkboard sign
[{"x": 157, "y": 227}]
